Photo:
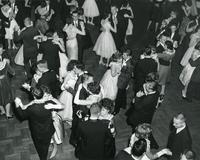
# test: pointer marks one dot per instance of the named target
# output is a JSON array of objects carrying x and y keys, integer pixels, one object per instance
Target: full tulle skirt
[
  {"x": 187, "y": 56},
  {"x": 72, "y": 49},
  {"x": 66, "y": 99},
  {"x": 19, "y": 58},
  {"x": 109, "y": 84},
  {"x": 90, "y": 8},
  {"x": 105, "y": 45}
]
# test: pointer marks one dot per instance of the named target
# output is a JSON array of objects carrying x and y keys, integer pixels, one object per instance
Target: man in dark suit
[
  {"x": 118, "y": 16},
  {"x": 124, "y": 79},
  {"x": 91, "y": 136},
  {"x": 83, "y": 40},
  {"x": 50, "y": 50},
  {"x": 30, "y": 45},
  {"x": 40, "y": 122},
  {"x": 143, "y": 67},
  {"x": 48, "y": 78},
  {"x": 179, "y": 139}
]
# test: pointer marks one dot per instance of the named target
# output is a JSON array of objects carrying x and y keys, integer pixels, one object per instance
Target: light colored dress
[
  {"x": 66, "y": 98},
  {"x": 19, "y": 58},
  {"x": 105, "y": 44},
  {"x": 10, "y": 31},
  {"x": 71, "y": 44},
  {"x": 109, "y": 80},
  {"x": 63, "y": 64},
  {"x": 195, "y": 38},
  {"x": 90, "y": 8}
]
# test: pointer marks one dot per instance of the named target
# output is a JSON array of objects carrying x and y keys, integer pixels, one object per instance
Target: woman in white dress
[
  {"x": 105, "y": 44},
  {"x": 194, "y": 39},
  {"x": 110, "y": 78},
  {"x": 72, "y": 44},
  {"x": 66, "y": 98},
  {"x": 90, "y": 10}
]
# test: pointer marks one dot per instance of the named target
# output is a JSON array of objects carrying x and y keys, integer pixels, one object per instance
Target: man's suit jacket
[
  {"x": 50, "y": 80},
  {"x": 142, "y": 69},
  {"x": 92, "y": 135},
  {"x": 125, "y": 75},
  {"x": 122, "y": 24},
  {"x": 179, "y": 142},
  {"x": 50, "y": 53},
  {"x": 30, "y": 45},
  {"x": 40, "y": 121}
]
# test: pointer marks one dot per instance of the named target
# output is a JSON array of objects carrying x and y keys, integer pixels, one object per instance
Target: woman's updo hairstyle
[{"x": 143, "y": 130}]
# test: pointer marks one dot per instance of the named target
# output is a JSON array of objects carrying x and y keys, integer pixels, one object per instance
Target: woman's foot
[{"x": 9, "y": 117}]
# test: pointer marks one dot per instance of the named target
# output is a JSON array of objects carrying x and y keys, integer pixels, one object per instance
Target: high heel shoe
[{"x": 9, "y": 117}]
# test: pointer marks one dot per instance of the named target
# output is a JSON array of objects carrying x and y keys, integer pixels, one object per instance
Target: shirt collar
[{"x": 180, "y": 129}]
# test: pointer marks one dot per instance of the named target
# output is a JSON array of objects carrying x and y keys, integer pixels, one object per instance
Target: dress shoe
[
  {"x": 186, "y": 99},
  {"x": 9, "y": 117}
]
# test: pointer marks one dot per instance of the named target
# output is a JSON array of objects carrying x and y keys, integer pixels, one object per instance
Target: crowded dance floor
[{"x": 99, "y": 79}]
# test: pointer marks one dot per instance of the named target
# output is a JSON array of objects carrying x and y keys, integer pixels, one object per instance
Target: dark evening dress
[{"x": 5, "y": 87}]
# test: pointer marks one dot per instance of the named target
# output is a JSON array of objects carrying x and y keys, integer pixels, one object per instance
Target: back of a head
[
  {"x": 95, "y": 109},
  {"x": 107, "y": 104},
  {"x": 180, "y": 116},
  {"x": 94, "y": 87},
  {"x": 139, "y": 148},
  {"x": 169, "y": 45},
  {"x": 71, "y": 65},
  {"x": 45, "y": 89},
  {"x": 189, "y": 154},
  {"x": 147, "y": 51},
  {"x": 37, "y": 93}
]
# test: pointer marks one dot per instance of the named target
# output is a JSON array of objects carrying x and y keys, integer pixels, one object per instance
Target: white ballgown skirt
[
  {"x": 187, "y": 56},
  {"x": 72, "y": 49},
  {"x": 63, "y": 64},
  {"x": 19, "y": 58},
  {"x": 90, "y": 8},
  {"x": 109, "y": 84},
  {"x": 66, "y": 99},
  {"x": 129, "y": 30},
  {"x": 105, "y": 45},
  {"x": 186, "y": 74},
  {"x": 10, "y": 30}
]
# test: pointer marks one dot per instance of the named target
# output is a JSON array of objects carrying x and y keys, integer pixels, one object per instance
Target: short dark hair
[
  {"x": 45, "y": 89},
  {"x": 86, "y": 76},
  {"x": 37, "y": 92},
  {"x": 69, "y": 20},
  {"x": 94, "y": 87},
  {"x": 108, "y": 104},
  {"x": 127, "y": 50},
  {"x": 147, "y": 51},
  {"x": 169, "y": 45},
  {"x": 71, "y": 65},
  {"x": 139, "y": 147}
]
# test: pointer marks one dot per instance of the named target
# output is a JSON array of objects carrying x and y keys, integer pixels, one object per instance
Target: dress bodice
[
  {"x": 71, "y": 32},
  {"x": 72, "y": 78},
  {"x": 106, "y": 26},
  {"x": 115, "y": 67}
]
